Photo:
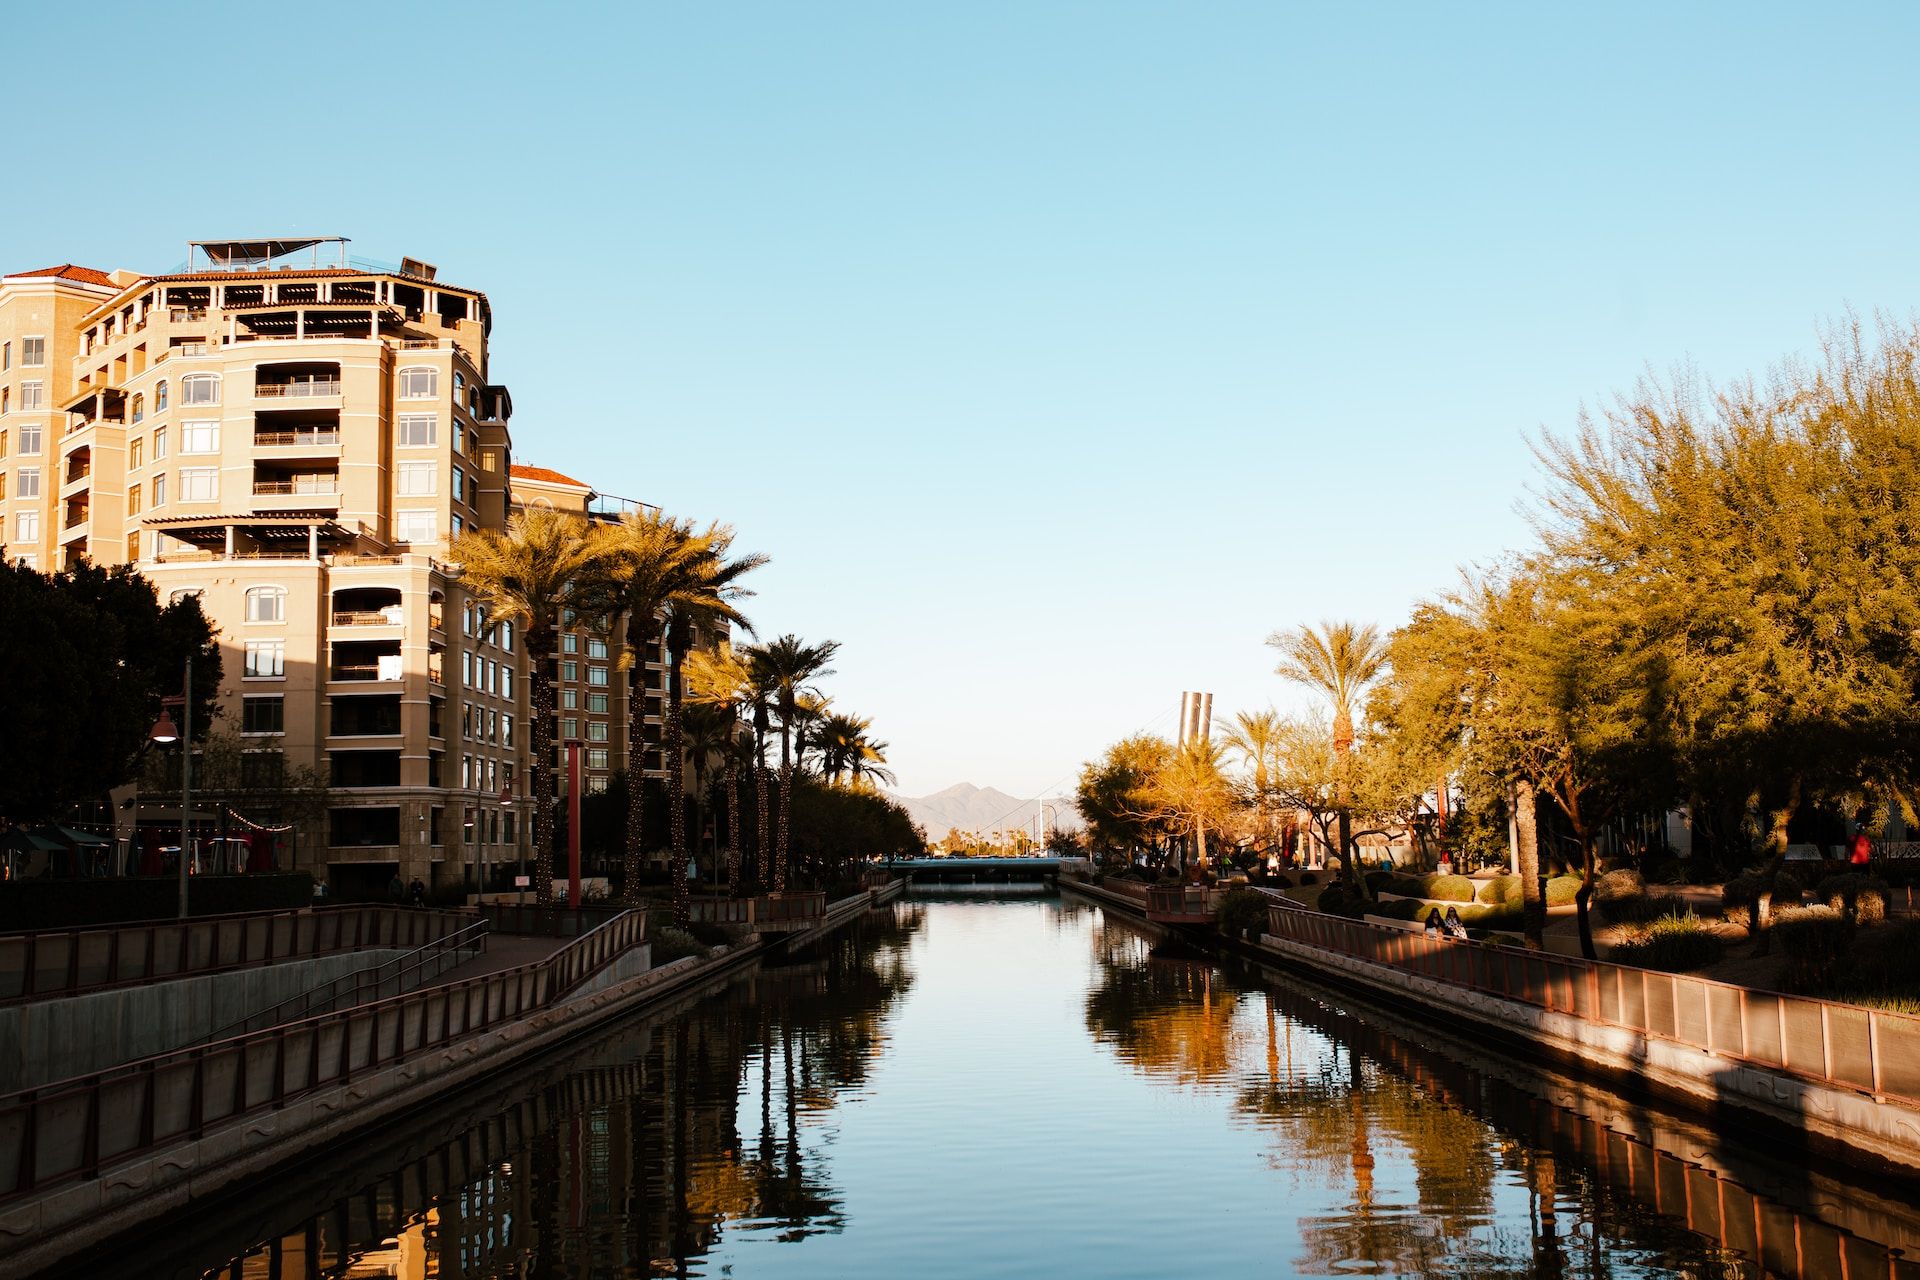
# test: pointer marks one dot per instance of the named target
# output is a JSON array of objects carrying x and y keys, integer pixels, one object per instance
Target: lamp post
[{"x": 163, "y": 733}]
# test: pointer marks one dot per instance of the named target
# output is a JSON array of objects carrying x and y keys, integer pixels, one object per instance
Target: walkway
[{"x": 503, "y": 951}]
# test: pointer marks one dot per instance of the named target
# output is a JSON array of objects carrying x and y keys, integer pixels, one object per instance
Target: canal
[{"x": 1023, "y": 1086}]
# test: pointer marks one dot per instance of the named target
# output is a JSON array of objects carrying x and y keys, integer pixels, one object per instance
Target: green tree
[
  {"x": 529, "y": 575},
  {"x": 1188, "y": 794},
  {"x": 1112, "y": 794}
]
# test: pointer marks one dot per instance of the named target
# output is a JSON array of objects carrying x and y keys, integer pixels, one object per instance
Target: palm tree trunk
[
  {"x": 733, "y": 822},
  {"x": 540, "y": 660},
  {"x": 786, "y": 802},
  {"x": 677, "y": 790},
  {"x": 1527, "y": 838}
]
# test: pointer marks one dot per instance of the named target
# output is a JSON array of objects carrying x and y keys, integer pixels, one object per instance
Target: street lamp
[{"x": 165, "y": 733}]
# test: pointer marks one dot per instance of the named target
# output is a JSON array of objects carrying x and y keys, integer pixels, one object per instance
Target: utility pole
[{"x": 186, "y": 782}]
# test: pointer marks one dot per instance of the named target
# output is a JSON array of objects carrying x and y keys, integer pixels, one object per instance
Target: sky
[{"x": 1057, "y": 353}]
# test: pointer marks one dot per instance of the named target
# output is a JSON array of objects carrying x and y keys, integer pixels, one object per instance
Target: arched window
[
  {"x": 459, "y": 384},
  {"x": 200, "y": 388},
  {"x": 160, "y": 397},
  {"x": 139, "y": 408},
  {"x": 181, "y": 593},
  {"x": 421, "y": 382},
  {"x": 266, "y": 604}
]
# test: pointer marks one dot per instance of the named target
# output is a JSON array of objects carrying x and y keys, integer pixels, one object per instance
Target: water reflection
[
  {"x": 970, "y": 1088},
  {"x": 1442, "y": 1157}
]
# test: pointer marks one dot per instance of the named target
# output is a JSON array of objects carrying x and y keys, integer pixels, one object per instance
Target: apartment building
[{"x": 294, "y": 435}]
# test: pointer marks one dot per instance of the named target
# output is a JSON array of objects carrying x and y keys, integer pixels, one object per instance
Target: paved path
[{"x": 504, "y": 951}]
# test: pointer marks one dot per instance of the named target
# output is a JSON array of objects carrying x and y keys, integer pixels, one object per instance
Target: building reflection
[
  {"x": 636, "y": 1155},
  {"x": 1422, "y": 1134}
]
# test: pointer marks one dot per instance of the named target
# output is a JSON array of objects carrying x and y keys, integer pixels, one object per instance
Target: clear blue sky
[{"x": 1056, "y": 352}]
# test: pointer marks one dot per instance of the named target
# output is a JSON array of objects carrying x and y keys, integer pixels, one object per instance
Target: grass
[{"x": 1676, "y": 943}]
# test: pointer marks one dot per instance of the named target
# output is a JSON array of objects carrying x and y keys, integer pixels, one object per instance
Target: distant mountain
[{"x": 985, "y": 810}]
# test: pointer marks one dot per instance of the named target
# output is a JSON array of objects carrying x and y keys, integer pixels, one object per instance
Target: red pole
[{"x": 573, "y": 823}]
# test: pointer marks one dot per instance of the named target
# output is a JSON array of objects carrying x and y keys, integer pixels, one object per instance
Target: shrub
[
  {"x": 1447, "y": 888},
  {"x": 1671, "y": 943},
  {"x": 1401, "y": 909},
  {"x": 1242, "y": 914},
  {"x": 1787, "y": 889},
  {"x": 670, "y": 944},
  {"x": 1501, "y": 891},
  {"x": 1308, "y": 877},
  {"x": 1378, "y": 880},
  {"x": 712, "y": 935},
  {"x": 1623, "y": 899},
  {"x": 1815, "y": 941},
  {"x": 1336, "y": 901},
  {"x": 1738, "y": 895},
  {"x": 1561, "y": 890},
  {"x": 1280, "y": 881},
  {"x": 1861, "y": 898}
]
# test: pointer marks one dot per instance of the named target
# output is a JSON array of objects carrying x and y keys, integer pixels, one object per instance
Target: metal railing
[
  {"x": 788, "y": 908},
  {"x": 389, "y": 617},
  {"x": 324, "y": 436},
  {"x": 375, "y": 982},
  {"x": 1179, "y": 900},
  {"x": 547, "y": 922},
  {"x": 721, "y": 910},
  {"x": 1849, "y": 1045},
  {"x": 76, "y": 1128},
  {"x": 297, "y": 388},
  {"x": 321, "y": 485},
  {"x": 57, "y": 962}
]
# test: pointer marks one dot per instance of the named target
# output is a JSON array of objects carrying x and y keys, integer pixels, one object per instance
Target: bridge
[{"x": 982, "y": 870}]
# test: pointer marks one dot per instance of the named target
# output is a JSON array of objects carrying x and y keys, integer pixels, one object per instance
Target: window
[
  {"x": 33, "y": 395},
  {"x": 30, "y": 440},
  {"x": 419, "y": 479},
  {"x": 199, "y": 484},
  {"x": 416, "y": 526},
  {"x": 596, "y": 648},
  {"x": 597, "y": 676},
  {"x": 133, "y": 500},
  {"x": 199, "y": 437},
  {"x": 569, "y": 699},
  {"x": 139, "y": 408},
  {"x": 26, "y": 526},
  {"x": 459, "y": 438},
  {"x": 457, "y": 524},
  {"x": 160, "y": 490},
  {"x": 506, "y": 681},
  {"x": 597, "y": 758},
  {"x": 493, "y": 725},
  {"x": 569, "y": 643},
  {"x": 466, "y": 669},
  {"x": 595, "y": 787},
  {"x": 596, "y": 731},
  {"x": 489, "y": 459},
  {"x": 136, "y": 455},
  {"x": 200, "y": 388},
  {"x": 160, "y": 397},
  {"x": 597, "y": 703},
  {"x": 33, "y": 352},
  {"x": 569, "y": 729},
  {"x": 266, "y": 659},
  {"x": 419, "y": 383},
  {"x": 6, "y": 399},
  {"x": 418, "y": 430},
  {"x": 263, "y": 715},
  {"x": 6, "y": 355},
  {"x": 26, "y": 482},
  {"x": 159, "y": 444},
  {"x": 266, "y": 604},
  {"x": 506, "y": 635},
  {"x": 569, "y": 671}
]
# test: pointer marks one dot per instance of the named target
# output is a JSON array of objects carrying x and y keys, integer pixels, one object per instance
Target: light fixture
[{"x": 163, "y": 729}]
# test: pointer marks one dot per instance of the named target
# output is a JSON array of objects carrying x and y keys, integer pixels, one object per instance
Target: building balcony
[
  {"x": 390, "y": 617},
  {"x": 298, "y": 389},
  {"x": 299, "y": 440}
]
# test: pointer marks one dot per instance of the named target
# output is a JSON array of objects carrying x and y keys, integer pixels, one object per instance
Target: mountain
[{"x": 985, "y": 810}]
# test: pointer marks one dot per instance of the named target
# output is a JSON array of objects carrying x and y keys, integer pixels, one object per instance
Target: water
[{"x": 1023, "y": 1087}]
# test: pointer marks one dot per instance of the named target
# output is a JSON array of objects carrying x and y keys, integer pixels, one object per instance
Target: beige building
[{"x": 293, "y": 435}]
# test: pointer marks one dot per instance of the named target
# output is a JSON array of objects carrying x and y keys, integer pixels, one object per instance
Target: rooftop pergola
[{"x": 267, "y": 254}]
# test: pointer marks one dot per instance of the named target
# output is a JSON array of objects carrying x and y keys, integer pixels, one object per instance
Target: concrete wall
[{"x": 69, "y": 1036}]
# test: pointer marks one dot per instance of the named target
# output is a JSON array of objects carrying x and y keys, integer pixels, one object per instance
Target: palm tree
[
  {"x": 1254, "y": 736},
  {"x": 1339, "y": 661},
  {"x": 785, "y": 666},
  {"x": 529, "y": 576},
  {"x": 868, "y": 764},
  {"x": 720, "y": 678},
  {"x": 663, "y": 571},
  {"x": 841, "y": 738},
  {"x": 809, "y": 721}
]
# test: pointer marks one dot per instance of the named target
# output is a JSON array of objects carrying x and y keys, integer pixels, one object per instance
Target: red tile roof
[
  {"x": 67, "y": 271},
  {"x": 545, "y": 476}
]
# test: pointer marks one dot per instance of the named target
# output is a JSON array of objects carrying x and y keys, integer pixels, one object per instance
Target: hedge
[{"x": 68, "y": 903}]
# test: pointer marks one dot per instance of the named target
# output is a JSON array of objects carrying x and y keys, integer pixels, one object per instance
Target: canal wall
[
  {"x": 1839, "y": 1122},
  {"x": 66, "y": 1036},
  {"x": 39, "y": 1232}
]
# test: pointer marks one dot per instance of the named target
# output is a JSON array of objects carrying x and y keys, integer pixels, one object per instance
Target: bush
[
  {"x": 1379, "y": 880},
  {"x": 1336, "y": 901},
  {"x": 1280, "y": 881},
  {"x": 1671, "y": 943},
  {"x": 1815, "y": 941},
  {"x": 1401, "y": 909},
  {"x": 670, "y": 944},
  {"x": 1738, "y": 895},
  {"x": 1447, "y": 888},
  {"x": 1242, "y": 914},
  {"x": 1623, "y": 899},
  {"x": 1501, "y": 891},
  {"x": 1480, "y": 915},
  {"x": 1308, "y": 877},
  {"x": 1561, "y": 890},
  {"x": 1861, "y": 898},
  {"x": 712, "y": 935}
]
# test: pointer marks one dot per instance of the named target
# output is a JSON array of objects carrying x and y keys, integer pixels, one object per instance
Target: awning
[
  {"x": 18, "y": 841},
  {"x": 67, "y": 835}
]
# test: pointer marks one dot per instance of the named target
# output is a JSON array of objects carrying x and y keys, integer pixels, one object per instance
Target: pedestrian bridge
[{"x": 983, "y": 870}]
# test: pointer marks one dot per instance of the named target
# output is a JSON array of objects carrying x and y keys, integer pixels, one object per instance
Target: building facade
[{"x": 294, "y": 436}]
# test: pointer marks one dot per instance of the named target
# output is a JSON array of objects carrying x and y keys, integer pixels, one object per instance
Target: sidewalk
[{"x": 504, "y": 951}]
